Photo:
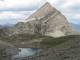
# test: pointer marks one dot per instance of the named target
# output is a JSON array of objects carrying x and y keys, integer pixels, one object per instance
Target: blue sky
[{"x": 13, "y": 11}]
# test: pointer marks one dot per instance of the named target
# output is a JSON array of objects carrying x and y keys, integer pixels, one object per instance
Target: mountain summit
[
  {"x": 43, "y": 11},
  {"x": 47, "y": 20}
]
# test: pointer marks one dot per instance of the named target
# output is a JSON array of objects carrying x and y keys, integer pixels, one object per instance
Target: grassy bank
[{"x": 44, "y": 40}]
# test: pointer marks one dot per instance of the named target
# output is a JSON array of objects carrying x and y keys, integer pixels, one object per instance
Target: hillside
[
  {"x": 65, "y": 48},
  {"x": 39, "y": 40}
]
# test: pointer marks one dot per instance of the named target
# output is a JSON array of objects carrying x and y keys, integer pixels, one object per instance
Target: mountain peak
[
  {"x": 53, "y": 23},
  {"x": 42, "y": 11},
  {"x": 47, "y": 4}
]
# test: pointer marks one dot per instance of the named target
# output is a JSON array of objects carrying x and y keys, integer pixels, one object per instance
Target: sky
[{"x": 13, "y": 11}]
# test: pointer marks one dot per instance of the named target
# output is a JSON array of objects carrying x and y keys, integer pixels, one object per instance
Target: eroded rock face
[{"x": 46, "y": 21}]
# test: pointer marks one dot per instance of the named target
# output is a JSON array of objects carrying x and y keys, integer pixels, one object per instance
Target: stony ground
[{"x": 69, "y": 50}]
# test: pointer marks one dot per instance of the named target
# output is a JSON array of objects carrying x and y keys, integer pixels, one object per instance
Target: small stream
[{"x": 24, "y": 52}]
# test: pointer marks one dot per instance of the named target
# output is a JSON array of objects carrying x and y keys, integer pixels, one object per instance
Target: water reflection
[{"x": 24, "y": 52}]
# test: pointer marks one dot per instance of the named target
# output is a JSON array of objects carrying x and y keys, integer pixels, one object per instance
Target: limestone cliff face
[{"x": 46, "y": 21}]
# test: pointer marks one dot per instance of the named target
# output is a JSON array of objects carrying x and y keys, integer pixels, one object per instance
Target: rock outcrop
[
  {"x": 46, "y": 21},
  {"x": 7, "y": 50}
]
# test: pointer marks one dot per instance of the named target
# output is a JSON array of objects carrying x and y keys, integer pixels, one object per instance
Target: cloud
[
  {"x": 13, "y": 11},
  {"x": 13, "y": 17},
  {"x": 1, "y": 0},
  {"x": 77, "y": 16},
  {"x": 8, "y": 21},
  {"x": 19, "y": 5},
  {"x": 8, "y": 15},
  {"x": 16, "y": 10},
  {"x": 75, "y": 21}
]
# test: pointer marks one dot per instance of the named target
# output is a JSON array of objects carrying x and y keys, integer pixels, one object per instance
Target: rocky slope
[
  {"x": 7, "y": 50},
  {"x": 68, "y": 50}
]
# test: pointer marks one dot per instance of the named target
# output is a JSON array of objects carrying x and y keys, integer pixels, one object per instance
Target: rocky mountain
[{"x": 47, "y": 20}]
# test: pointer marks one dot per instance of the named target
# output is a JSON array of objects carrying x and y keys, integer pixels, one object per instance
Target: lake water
[{"x": 24, "y": 52}]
